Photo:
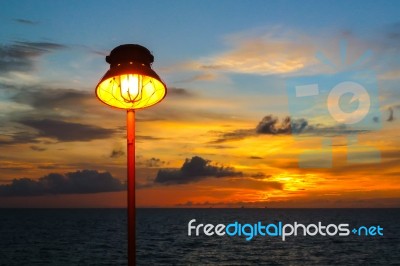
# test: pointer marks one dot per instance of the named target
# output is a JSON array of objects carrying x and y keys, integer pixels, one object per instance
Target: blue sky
[
  {"x": 182, "y": 30},
  {"x": 225, "y": 63},
  {"x": 193, "y": 28}
]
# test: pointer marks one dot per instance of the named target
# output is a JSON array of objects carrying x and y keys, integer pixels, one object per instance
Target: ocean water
[{"x": 98, "y": 237}]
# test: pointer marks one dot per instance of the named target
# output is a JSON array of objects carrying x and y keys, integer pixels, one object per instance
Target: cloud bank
[
  {"x": 194, "y": 170},
  {"x": 68, "y": 131},
  {"x": 79, "y": 182},
  {"x": 20, "y": 56},
  {"x": 272, "y": 125}
]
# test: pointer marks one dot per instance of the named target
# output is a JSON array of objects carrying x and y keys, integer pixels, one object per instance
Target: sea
[{"x": 99, "y": 237}]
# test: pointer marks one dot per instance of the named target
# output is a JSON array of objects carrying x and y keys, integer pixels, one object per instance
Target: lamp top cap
[{"x": 130, "y": 53}]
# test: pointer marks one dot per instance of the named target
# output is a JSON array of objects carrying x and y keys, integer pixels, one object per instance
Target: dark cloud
[
  {"x": 154, "y": 162},
  {"x": 25, "y": 21},
  {"x": 48, "y": 102},
  {"x": 56, "y": 108},
  {"x": 271, "y": 125},
  {"x": 18, "y": 138},
  {"x": 144, "y": 137},
  {"x": 392, "y": 33},
  {"x": 79, "y": 182},
  {"x": 37, "y": 148},
  {"x": 67, "y": 131},
  {"x": 220, "y": 147},
  {"x": 237, "y": 134},
  {"x": 179, "y": 92},
  {"x": 116, "y": 153},
  {"x": 255, "y": 157},
  {"x": 259, "y": 175},
  {"x": 194, "y": 170},
  {"x": 20, "y": 56},
  {"x": 49, "y": 98},
  {"x": 391, "y": 115}
]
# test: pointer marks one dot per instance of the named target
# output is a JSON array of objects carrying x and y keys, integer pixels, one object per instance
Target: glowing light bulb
[{"x": 131, "y": 87}]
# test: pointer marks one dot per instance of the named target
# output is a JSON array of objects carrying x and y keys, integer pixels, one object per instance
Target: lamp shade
[{"x": 130, "y": 83}]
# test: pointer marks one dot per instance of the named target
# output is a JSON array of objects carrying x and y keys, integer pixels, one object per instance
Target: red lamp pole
[
  {"x": 130, "y": 84},
  {"x": 130, "y": 125}
]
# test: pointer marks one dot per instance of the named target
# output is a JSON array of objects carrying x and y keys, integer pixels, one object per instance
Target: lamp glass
[{"x": 130, "y": 91}]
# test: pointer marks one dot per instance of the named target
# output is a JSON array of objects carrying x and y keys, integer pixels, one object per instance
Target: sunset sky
[{"x": 222, "y": 137}]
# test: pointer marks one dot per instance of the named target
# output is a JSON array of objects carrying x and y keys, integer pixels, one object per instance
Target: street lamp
[{"x": 130, "y": 84}]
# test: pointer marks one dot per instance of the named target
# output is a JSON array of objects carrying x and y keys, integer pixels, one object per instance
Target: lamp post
[{"x": 130, "y": 84}]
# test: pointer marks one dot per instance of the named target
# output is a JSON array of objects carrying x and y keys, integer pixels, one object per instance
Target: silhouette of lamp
[{"x": 130, "y": 84}]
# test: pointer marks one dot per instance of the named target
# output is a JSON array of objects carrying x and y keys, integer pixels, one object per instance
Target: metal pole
[{"x": 131, "y": 188}]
